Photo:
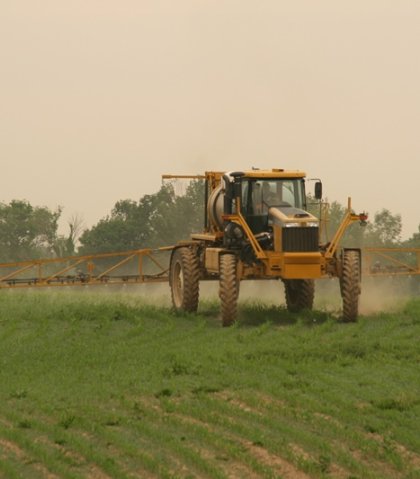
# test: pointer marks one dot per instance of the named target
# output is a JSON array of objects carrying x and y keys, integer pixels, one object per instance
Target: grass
[{"x": 112, "y": 386}]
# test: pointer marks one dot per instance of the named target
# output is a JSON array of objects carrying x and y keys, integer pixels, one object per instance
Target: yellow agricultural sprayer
[{"x": 257, "y": 226}]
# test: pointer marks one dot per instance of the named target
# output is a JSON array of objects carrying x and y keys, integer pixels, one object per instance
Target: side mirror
[
  {"x": 233, "y": 185},
  {"x": 237, "y": 175},
  {"x": 318, "y": 190}
]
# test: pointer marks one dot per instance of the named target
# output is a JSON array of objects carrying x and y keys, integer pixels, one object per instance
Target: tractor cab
[
  {"x": 273, "y": 205},
  {"x": 262, "y": 196}
]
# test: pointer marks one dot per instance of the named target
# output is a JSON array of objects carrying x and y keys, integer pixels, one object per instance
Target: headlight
[
  {"x": 234, "y": 231},
  {"x": 310, "y": 224}
]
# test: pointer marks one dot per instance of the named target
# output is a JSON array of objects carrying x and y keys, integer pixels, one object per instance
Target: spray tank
[
  {"x": 221, "y": 199},
  {"x": 215, "y": 207}
]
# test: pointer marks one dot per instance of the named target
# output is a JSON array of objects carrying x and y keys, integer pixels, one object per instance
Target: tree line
[{"x": 159, "y": 219}]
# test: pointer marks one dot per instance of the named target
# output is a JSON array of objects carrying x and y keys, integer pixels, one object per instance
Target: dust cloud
[
  {"x": 378, "y": 294},
  {"x": 388, "y": 294}
]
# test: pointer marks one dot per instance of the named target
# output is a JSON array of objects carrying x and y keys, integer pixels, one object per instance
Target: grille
[{"x": 300, "y": 239}]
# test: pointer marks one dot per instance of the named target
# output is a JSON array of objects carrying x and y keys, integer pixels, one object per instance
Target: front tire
[
  {"x": 350, "y": 285},
  {"x": 184, "y": 277},
  {"x": 299, "y": 294},
  {"x": 228, "y": 288}
]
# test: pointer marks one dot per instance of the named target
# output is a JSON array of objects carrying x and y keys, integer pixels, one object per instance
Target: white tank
[{"x": 215, "y": 206}]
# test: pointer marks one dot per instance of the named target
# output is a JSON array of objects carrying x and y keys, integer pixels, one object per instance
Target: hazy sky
[{"x": 98, "y": 98}]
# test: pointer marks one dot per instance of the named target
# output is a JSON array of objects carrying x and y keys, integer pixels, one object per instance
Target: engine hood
[{"x": 289, "y": 214}]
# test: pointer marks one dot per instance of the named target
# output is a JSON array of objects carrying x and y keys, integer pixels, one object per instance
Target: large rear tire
[
  {"x": 350, "y": 284},
  {"x": 228, "y": 288},
  {"x": 184, "y": 277},
  {"x": 299, "y": 294}
]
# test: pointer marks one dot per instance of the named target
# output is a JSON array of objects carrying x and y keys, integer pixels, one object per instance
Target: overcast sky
[{"x": 98, "y": 98}]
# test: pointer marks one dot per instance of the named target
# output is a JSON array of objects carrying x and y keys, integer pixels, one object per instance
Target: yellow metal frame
[
  {"x": 280, "y": 264},
  {"x": 81, "y": 270},
  {"x": 240, "y": 220},
  {"x": 388, "y": 261},
  {"x": 348, "y": 219}
]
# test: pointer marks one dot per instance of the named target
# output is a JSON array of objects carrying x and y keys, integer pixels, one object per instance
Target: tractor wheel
[
  {"x": 299, "y": 294},
  {"x": 350, "y": 284},
  {"x": 228, "y": 288},
  {"x": 184, "y": 279}
]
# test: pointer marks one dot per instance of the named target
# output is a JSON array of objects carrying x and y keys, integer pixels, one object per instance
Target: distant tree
[
  {"x": 65, "y": 245},
  {"x": 183, "y": 217},
  {"x": 384, "y": 229},
  {"x": 331, "y": 215},
  {"x": 26, "y": 232},
  {"x": 414, "y": 241},
  {"x": 155, "y": 220}
]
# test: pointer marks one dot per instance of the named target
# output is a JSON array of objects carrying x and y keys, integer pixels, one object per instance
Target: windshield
[{"x": 260, "y": 194}]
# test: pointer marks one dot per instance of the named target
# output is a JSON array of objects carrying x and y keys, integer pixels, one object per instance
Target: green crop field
[{"x": 112, "y": 386}]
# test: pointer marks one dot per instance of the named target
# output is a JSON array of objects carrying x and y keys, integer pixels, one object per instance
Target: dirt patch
[
  {"x": 328, "y": 418},
  {"x": 96, "y": 473},
  {"x": 6, "y": 423},
  {"x": 76, "y": 457},
  {"x": 93, "y": 471},
  {"x": 283, "y": 467},
  {"x": 333, "y": 470},
  {"x": 234, "y": 469},
  {"x": 239, "y": 403},
  {"x": 362, "y": 405},
  {"x": 300, "y": 453},
  {"x": 45, "y": 472},
  {"x": 230, "y": 467},
  {"x": 12, "y": 448},
  {"x": 337, "y": 472},
  {"x": 268, "y": 401},
  {"x": 386, "y": 470},
  {"x": 412, "y": 458}
]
